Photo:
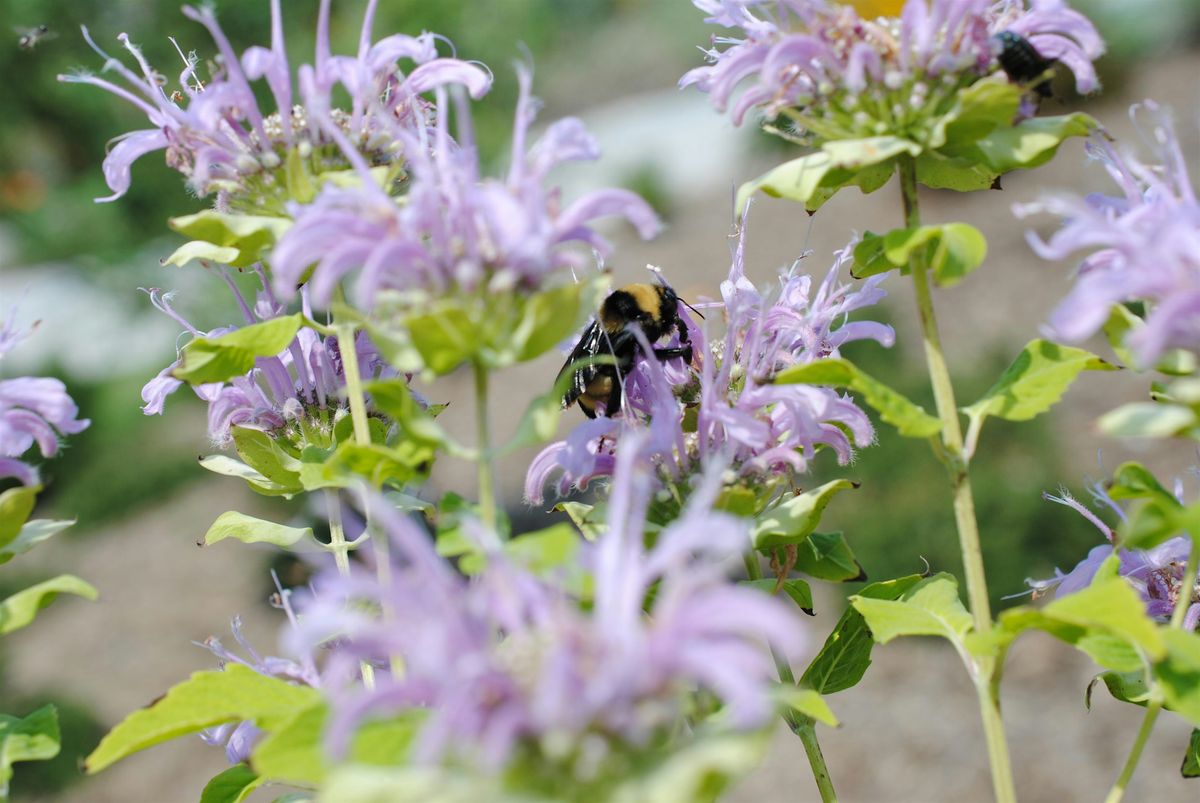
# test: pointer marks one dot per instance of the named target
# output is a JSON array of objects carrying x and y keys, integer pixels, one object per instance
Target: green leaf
[
  {"x": 1148, "y": 420},
  {"x": 951, "y": 251},
  {"x": 228, "y": 467},
  {"x": 233, "y": 785},
  {"x": 1030, "y": 143},
  {"x": 846, "y": 654},
  {"x": 251, "y": 530},
  {"x": 1113, "y": 607},
  {"x": 21, "y": 608},
  {"x": 941, "y": 172},
  {"x": 978, "y": 110},
  {"x": 1179, "y": 674},
  {"x": 1132, "y": 480},
  {"x": 261, "y": 453},
  {"x": 797, "y": 590},
  {"x": 300, "y": 185},
  {"x": 794, "y": 519},
  {"x": 233, "y": 354},
  {"x": 588, "y": 518},
  {"x": 929, "y": 608},
  {"x": 1128, "y": 687},
  {"x": 814, "y": 178},
  {"x": 1111, "y": 652},
  {"x": 548, "y": 318},
  {"x": 15, "y": 506},
  {"x": 1191, "y": 758},
  {"x": 249, "y": 235},
  {"x": 809, "y": 703},
  {"x": 33, "y": 533},
  {"x": 539, "y": 422},
  {"x": 235, "y": 693},
  {"x": 697, "y": 772},
  {"x": 1121, "y": 322},
  {"x": 909, "y": 419},
  {"x": 1034, "y": 382},
  {"x": 827, "y": 556},
  {"x": 33, "y": 738},
  {"x": 394, "y": 398},
  {"x": 198, "y": 249},
  {"x": 378, "y": 464},
  {"x": 445, "y": 337}
]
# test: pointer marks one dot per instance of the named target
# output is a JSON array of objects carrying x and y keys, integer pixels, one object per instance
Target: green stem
[
  {"x": 487, "y": 487},
  {"x": 354, "y": 385},
  {"x": 337, "y": 544},
  {"x": 802, "y": 726},
  {"x": 1182, "y": 603},
  {"x": 985, "y": 670}
]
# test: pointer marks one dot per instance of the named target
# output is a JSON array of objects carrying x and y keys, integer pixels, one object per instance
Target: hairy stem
[
  {"x": 487, "y": 487},
  {"x": 1186, "y": 588},
  {"x": 802, "y": 726},
  {"x": 984, "y": 669}
]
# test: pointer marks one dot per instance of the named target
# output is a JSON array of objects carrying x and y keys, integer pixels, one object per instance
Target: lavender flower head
[
  {"x": 215, "y": 133},
  {"x": 294, "y": 395},
  {"x": 507, "y": 665},
  {"x": 723, "y": 406},
  {"x": 456, "y": 228},
  {"x": 839, "y": 75},
  {"x": 33, "y": 409},
  {"x": 1156, "y": 574},
  {"x": 1142, "y": 244}
]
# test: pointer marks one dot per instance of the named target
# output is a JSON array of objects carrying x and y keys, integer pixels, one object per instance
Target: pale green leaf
[
  {"x": 248, "y": 235},
  {"x": 235, "y": 693},
  {"x": 229, "y": 467},
  {"x": 1111, "y": 606},
  {"x": 21, "y": 608},
  {"x": 1030, "y": 143},
  {"x": 198, "y": 249},
  {"x": 300, "y": 185},
  {"x": 929, "y": 608},
  {"x": 233, "y": 354},
  {"x": 1179, "y": 674},
  {"x": 251, "y": 530},
  {"x": 233, "y": 785},
  {"x": 796, "y": 517},
  {"x": 1147, "y": 420},
  {"x": 827, "y": 556},
  {"x": 809, "y": 703},
  {"x": 15, "y": 506},
  {"x": 33, "y": 533},
  {"x": 32, "y": 738},
  {"x": 908, "y": 418},
  {"x": 1128, "y": 687},
  {"x": 798, "y": 591}
]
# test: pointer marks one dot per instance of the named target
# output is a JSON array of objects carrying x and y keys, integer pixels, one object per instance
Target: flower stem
[
  {"x": 354, "y": 386},
  {"x": 487, "y": 488},
  {"x": 984, "y": 670},
  {"x": 802, "y": 726},
  {"x": 1182, "y": 603},
  {"x": 337, "y": 544}
]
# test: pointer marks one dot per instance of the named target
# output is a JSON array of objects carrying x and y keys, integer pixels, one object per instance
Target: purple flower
[
  {"x": 455, "y": 228},
  {"x": 841, "y": 76},
  {"x": 215, "y": 133},
  {"x": 32, "y": 410},
  {"x": 295, "y": 393},
  {"x": 723, "y": 407},
  {"x": 507, "y": 663},
  {"x": 1142, "y": 244},
  {"x": 1156, "y": 574}
]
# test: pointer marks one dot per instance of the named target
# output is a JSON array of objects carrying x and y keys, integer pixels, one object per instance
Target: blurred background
[{"x": 910, "y": 731}]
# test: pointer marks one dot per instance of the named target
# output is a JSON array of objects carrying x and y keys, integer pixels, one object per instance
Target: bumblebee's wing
[{"x": 589, "y": 345}]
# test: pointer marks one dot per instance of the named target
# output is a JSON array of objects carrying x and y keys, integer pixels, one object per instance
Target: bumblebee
[
  {"x": 654, "y": 308},
  {"x": 1022, "y": 63}
]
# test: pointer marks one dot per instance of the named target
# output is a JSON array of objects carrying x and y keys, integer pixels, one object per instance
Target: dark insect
[
  {"x": 1022, "y": 63},
  {"x": 655, "y": 308},
  {"x": 28, "y": 38}
]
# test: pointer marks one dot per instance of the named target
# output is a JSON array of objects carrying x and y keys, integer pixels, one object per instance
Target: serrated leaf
[
  {"x": 15, "y": 506},
  {"x": 942, "y": 172},
  {"x": 32, "y": 533},
  {"x": 261, "y": 453},
  {"x": 235, "y": 693},
  {"x": 798, "y": 591},
  {"x": 1179, "y": 674},
  {"x": 908, "y": 418},
  {"x": 1034, "y": 382},
  {"x": 548, "y": 318},
  {"x": 198, "y": 249},
  {"x": 249, "y": 235},
  {"x": 232, "y": 354},
  {"x": 1132, "y": 480},
  {"x": 32, "y": 738},
  {"x": 808, "y": 703},
  {"x": 251, "y": 530},
  {"x": 1030, "y": 143},
  {"x": 814, "y": 178},
  {"x": 444, "y": 337},
  {"x": 233, "y": 785},
  {"x": 380, "y": 465},
  {"x": 827, "y": 556},
  {"x": 929, "y": 608},
  {"x": 228, "y": 467},
  {"x": 978, "y": 110},
  {"x": 21, "y": 608},
  {"x": 1148, "y": 420},
  {"x": 1112, "y": 606},
  {"x": 951, "y": 251},
  {"x": 795, "y": 518},
  {"x": 1111, "y": 652},
  {"x": 1191, "y": 758},
  {"x": 846, "y": 654}
]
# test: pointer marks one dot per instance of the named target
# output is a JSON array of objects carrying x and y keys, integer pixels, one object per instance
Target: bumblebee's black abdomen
[{"x": 1021, "y": 61}]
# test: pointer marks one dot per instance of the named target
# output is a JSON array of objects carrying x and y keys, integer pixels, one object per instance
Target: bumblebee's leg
[{"x": 684, "y": 351}]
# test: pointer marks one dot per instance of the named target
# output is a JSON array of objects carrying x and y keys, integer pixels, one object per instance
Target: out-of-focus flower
[
  {"x": 507, "y": 663},
  {"x": 455, "y": 228},
  {"x": 723, "y": 407},
  {"x": 298, "y": 389},
  {"x": 240, "y": 738},
  {"x": 1156, "y": 574},
  {"x": 215, "y": 133},
  {"x": 1140, "y": 245},
  {"x": 33, "y": 409},
  {"x": 843, "y": 76}
]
